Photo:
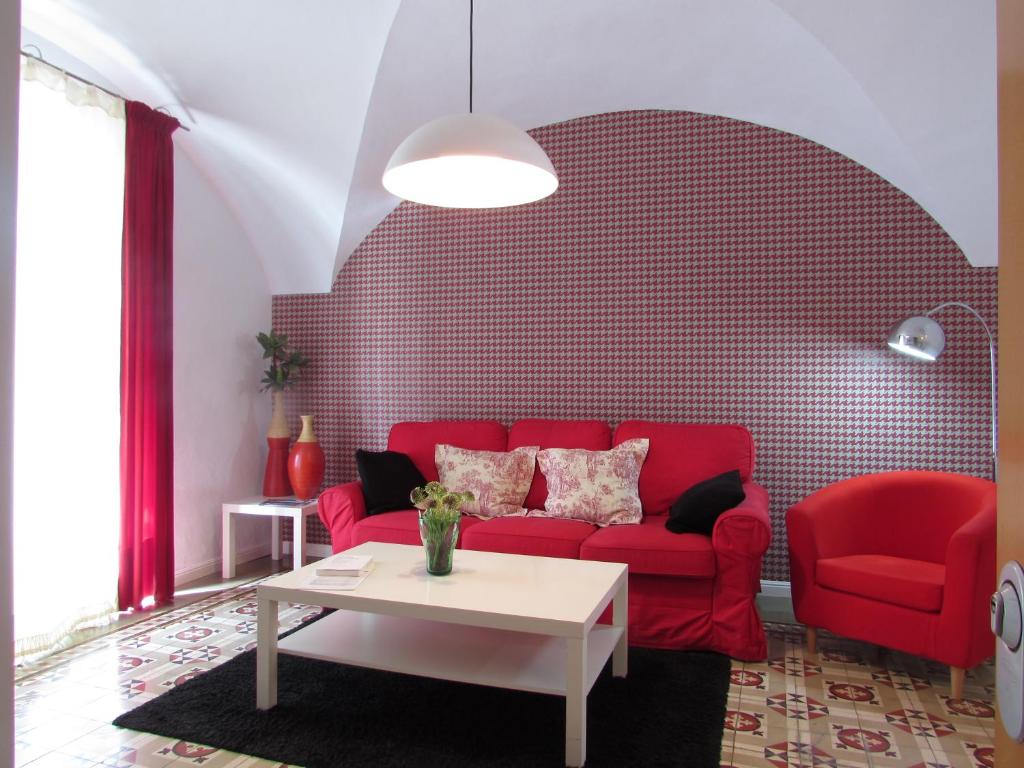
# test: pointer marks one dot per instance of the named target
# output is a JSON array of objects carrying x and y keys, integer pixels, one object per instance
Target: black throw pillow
[
  {"x": 697, "y": 509},
  {"x": 388, "y": 478}
]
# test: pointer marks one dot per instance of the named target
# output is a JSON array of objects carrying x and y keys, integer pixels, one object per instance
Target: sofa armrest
[
  {"x": 341, "y": 507},
  {"x": 745, "y": 529},
  {"x": 740, "y": 538}
]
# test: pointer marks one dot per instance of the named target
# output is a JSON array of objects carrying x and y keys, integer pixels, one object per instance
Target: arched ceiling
[{"x": 295, "y": 108}]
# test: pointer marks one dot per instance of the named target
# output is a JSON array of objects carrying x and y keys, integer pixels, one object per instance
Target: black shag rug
[{"x": 669, "y": 711}]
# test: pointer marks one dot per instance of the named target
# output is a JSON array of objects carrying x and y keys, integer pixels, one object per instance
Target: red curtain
[{"x": 147, "y": 427}]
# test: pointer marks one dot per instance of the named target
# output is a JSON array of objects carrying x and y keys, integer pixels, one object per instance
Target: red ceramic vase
[
  {"x": 306, "y": 462},
  {"x": 275, "y": 477}
]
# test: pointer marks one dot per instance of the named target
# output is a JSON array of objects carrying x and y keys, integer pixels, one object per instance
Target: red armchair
[{"x": 905, "y": 560}]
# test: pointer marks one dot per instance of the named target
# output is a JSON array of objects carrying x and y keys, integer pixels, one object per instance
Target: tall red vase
[
  {"x": 275, "y": 476},
  {"x": 306, "y": 462}
]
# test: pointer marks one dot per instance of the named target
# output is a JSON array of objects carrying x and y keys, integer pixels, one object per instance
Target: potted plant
[
  {"x": 285, "y": 365},
  {"x": 439, "y": 512}
]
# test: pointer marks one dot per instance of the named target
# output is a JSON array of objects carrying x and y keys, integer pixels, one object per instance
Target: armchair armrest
[
  {"x": 745, "y": 530},
  {"x": 828, "y": 523},
  {"x": 970, "y": 579},
  {"x": 969, "y": 544},
  {"x": 833, "y": 521},
  {"x": 340, "y": 507}
]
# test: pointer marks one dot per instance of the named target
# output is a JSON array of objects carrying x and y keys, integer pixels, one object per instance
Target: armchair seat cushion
[
  {"x": 401, "y": 527},
  {"x": 545, "y": 537},
  {"x": 650, "y": 548},
  {"x": 901, "y": 581}
]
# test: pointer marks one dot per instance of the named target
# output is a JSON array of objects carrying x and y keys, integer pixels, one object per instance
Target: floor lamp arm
[{"x": 992, "y": 373}]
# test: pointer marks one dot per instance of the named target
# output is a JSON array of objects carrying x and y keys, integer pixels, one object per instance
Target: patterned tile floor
[
  {"x": 854, "y": 705},
  {"x": 851, "y": 705}
]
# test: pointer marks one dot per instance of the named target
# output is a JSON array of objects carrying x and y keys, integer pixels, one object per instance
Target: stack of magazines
[{"x": 341, "y": 572}]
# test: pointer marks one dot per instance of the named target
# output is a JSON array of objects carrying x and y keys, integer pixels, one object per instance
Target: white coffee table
[
  {"x": 252, "y": 506},
  {"x": 528, "y": 623}
]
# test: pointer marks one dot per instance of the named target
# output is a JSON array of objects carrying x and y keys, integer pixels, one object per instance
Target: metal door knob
[{"x": 1006, "y": 615}]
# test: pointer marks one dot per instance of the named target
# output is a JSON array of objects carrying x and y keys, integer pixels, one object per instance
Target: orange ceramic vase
[
  {"x": 306, "y": 462},
  {"x": 275, "y": 477}
]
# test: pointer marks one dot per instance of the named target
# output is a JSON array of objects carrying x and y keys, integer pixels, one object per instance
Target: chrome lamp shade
[{"x": 919, "y": 337}]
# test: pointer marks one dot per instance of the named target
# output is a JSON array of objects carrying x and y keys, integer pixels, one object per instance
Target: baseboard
[
  {"x": 312, "y": 550},
  {"x": 210, "y": 567},
  {"x": 776, "y": 589},
  {"x": 776, "y": 602}
]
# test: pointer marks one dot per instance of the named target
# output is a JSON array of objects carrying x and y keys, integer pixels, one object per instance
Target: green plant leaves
[{"x": 285, "y": 364}]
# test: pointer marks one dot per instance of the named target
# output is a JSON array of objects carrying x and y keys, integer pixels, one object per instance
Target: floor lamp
[{"x": 922, "y": 338}]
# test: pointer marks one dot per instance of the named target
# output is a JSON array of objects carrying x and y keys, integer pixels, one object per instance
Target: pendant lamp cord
[{"x": 470, "y": 56}]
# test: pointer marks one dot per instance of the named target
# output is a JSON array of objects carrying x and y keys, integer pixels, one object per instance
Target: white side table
[{"x": 275, "y": 512}]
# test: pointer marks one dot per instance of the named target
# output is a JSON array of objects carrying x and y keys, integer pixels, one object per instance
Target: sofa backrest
[
  {"x": 555, "y": 433},
  {"x": 418, "y": 439},
  {"x": 681, "y": 455}
]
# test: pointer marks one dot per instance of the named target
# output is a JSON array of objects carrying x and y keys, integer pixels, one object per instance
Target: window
[{"x": 67, "y": 357}]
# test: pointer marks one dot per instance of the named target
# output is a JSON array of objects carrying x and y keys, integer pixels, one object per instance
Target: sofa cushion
[
  {"x": 700, "y": 505},
  {"x": 498, "y": 480},
  {"x": 649, "y": 548},
  {"x": 388, "y": 478},
  {"x": 417, "y": 439},
  {"x": 554, "y": 433},
  {"x": 528, "y": 536},
  {"x": 911, "y": 583},
  {"x": 398, "y": 528},
  {"x": 597, "y": 487},
  {"x": 681, "y": 455}
]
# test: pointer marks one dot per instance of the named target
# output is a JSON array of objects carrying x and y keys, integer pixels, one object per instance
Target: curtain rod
[{"x": 81, "y": 79}]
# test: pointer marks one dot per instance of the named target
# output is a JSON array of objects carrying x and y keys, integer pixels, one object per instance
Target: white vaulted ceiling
[{"x": 295, "y": 108}]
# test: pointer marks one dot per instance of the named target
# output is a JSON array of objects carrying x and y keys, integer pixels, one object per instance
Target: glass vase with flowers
[{"x": 439, "y": 514}]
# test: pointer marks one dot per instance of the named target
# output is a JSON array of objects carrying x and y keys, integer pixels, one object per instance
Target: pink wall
[{"x": 689, "y": 268}]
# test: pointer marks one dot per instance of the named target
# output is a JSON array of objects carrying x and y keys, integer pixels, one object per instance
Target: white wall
[
  {"x": 221, "y": 301},
  {"x": 9, "y": 26}
]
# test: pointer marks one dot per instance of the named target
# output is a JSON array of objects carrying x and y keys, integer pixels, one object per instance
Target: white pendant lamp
[{"x": 470, "y": 161}]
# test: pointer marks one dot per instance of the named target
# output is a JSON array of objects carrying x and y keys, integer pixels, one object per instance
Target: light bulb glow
[
  {"x": 908, "y": 349},
  {"x": 470, "y": 181}
]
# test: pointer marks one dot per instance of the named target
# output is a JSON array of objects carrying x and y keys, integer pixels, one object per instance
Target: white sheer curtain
[{"x": 67, "y": 357}]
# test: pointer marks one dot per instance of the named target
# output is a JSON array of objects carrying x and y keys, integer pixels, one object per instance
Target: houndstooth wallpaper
[{"x": 689, "y": 268}]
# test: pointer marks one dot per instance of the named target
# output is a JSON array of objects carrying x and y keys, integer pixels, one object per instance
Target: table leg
[
  {"x": 266, "y": 653},
  {"x": 227, "y": 545},
  {"x": 275, "y": 538},
  {"x": 620, "y": 618},
  {"x": 298, "y": 539},
  {"x": 576, "y": 702}
]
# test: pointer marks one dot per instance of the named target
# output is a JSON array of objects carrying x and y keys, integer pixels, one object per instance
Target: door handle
[{"x": 1006, "y": 615}]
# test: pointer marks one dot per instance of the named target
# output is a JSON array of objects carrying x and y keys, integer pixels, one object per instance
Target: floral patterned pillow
[
  {"x": 499, "y": 480},
  {"x": 598, "y": 487}
]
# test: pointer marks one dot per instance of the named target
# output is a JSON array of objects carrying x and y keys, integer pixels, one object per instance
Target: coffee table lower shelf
[
  {"x": 494, "y": 657},
  {"x": 510, "y": 621}
]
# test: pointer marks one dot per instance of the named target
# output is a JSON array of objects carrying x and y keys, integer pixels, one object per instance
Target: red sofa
[
  {"x": 902, "y": 559},
  {"x": 685, "y": 590}
]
